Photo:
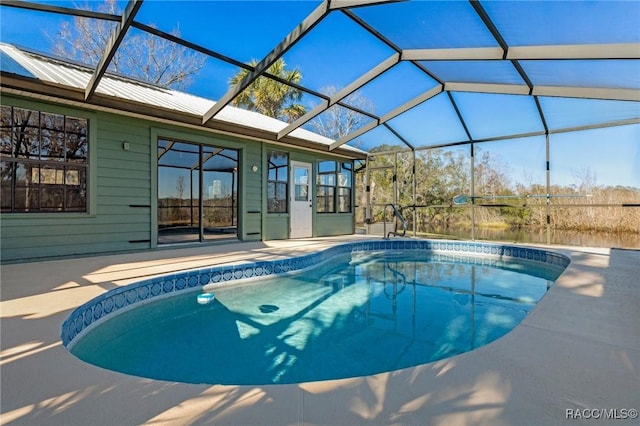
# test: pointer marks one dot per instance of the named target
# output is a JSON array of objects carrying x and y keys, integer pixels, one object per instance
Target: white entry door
[{"x": 301, "y": 202}]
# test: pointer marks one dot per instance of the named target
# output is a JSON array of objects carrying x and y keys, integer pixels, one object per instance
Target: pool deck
[{"x": 578, "y": 350}]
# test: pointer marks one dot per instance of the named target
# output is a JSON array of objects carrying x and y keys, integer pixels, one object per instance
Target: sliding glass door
[{"x": 197, "y": 192}]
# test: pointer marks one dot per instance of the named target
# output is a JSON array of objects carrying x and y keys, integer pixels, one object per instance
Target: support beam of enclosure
[
  {"x": 289, "y": 41},
  {"x": 588, "y": 92},
  {"x": 322, "y": 106},
  {"x": 377, "y": 34},
  {"x": 112, "y": 45},
  {"x": 341, "y": 4},
  {"x": 509, "y": 137},
  {"x": 583, "y": 51},
  {"x": 182, "y": 42},
  {"x": 484, "y": 16},
  {"x": 362, "y": 130},
  {"x": 399, "y": 136},
  {"x": 388, "y": 116},
  {"x": 488, "y": 22},
  {"x": 453, "y": 54},
  {"x": 523, "y": 75},
  {"x": 340, "y": 95},
  {"x": 616, "y": 123},
  {"x": 543, "y": 119},
  {"x": 506, "y": 89},
  {"x": 61, "y": 10},
  {"x": 557, "y": 91},
  {"x": 459, "y": 114}
]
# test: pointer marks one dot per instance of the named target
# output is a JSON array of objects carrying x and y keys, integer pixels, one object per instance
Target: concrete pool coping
[{"x": 577, "y": 352}]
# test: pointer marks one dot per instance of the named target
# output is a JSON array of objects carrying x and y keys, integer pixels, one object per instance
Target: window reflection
[
  {"x": 277, "y": 181},
  {"x": 44, "y": 161}
]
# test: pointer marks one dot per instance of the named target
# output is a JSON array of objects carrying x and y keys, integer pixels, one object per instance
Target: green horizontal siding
[
  {"x": 133, "y": 175},
  {"x": 79, "y": 227},
  {"x": 251, "y": 193},
  {"x": 122, "y": 200},
  {"x": 74, "y": 249},
  {"x": 140, "y": 164},
  {"x": 276, "y": 227},
  {"x": 328, "y": 224},
  {"x": 116, "y": 182},
  {"x": 133, "y": 232}
]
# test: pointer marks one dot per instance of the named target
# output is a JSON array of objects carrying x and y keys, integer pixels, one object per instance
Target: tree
[
  {"x": 338, "y": 122},
  {"x": 491, "y": 175},
  {"x": 140, "y": 55},
  {"x": 270, "y": 97},
  {"x": 180, "y": 187}
]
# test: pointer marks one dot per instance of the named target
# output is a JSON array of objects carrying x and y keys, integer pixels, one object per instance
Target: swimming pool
[{"x": 369, "y": 307}]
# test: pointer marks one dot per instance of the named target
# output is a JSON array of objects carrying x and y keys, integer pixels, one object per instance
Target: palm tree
[{"x": 270, "y": 97}]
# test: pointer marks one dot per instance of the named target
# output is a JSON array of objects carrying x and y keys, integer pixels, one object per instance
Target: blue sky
[{"x": 338, "y": 51}]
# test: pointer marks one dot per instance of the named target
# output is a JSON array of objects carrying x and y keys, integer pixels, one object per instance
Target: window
[
  {"x": 344, "y": 188},
  {"x": 301, "y": 182},
  {"x": 197, "y": 192},
  {"x": 333, "y": 191},
  {"x": 43, "y": 161},
  {"x": 277, "y": 181},
  {"x": 326, "y": 187}
]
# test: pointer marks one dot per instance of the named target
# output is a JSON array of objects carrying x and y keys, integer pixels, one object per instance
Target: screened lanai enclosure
[{"x": 501, "y": 120}]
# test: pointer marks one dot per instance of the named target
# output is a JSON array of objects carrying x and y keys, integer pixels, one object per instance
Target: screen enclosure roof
[{"x": 372, "y": 74}]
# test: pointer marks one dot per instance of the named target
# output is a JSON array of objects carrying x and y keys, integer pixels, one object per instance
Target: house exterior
[{"x": 135, "y": 170}]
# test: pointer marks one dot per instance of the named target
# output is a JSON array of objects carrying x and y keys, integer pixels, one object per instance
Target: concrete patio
[{"x": 578, "y": 350}]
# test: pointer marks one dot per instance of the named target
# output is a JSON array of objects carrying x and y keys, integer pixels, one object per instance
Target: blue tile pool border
[{"x": 118, "y": 299}]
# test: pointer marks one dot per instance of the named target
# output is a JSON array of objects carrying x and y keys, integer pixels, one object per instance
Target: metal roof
[
  {"x": 52, "y": 70},
  {"x": 437, "y": 71}
]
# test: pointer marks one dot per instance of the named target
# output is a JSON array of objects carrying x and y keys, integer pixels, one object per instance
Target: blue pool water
[{"x": 359, "y": 314}]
